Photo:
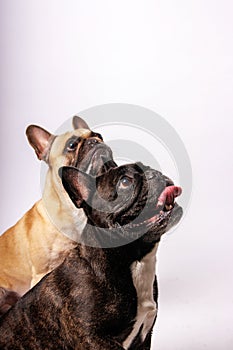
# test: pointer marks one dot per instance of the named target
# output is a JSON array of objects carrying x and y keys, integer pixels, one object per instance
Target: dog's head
[
  {"x": 81, "y": 148},
  {"x": 126, "y": 200}
]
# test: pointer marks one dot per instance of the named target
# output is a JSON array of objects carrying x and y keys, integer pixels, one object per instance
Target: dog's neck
[
  {"x": 124, "y": 252},
  {"x": 69, "y": 220}
]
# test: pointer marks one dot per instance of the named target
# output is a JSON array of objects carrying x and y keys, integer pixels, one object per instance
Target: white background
[{"x": 174, "y": 57}]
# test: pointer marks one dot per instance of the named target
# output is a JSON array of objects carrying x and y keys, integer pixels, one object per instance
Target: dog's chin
[
  {"x": 164, "y": 220},
  {"x": 155, "y": 226},
  {"x": 97, "y": 161}
]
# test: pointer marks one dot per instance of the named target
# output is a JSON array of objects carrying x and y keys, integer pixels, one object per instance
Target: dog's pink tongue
[{"x": 168, "y": 195}]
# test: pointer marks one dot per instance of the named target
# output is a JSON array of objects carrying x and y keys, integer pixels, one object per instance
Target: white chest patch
[{"x": 143, "y": 274}]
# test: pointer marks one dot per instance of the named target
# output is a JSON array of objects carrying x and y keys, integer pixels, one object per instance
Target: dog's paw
[{"x": 7, "y": 299}]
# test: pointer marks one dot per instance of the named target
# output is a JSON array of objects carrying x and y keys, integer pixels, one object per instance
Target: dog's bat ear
[
  {"x": 77, "y": 184},
  {"x": 79, "y": 123},
  {"x": 40, "y": 140}
]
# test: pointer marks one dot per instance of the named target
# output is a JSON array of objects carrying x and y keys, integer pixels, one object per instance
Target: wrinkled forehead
[
  {"x": 130, "y": 169},
  {"x": 60, "y": 140},
  {"x": 84, "y": 133},
  {"x": 114, "y": 174}
]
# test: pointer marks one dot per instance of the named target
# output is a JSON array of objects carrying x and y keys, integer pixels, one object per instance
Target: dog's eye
[
  {"x": 125, "y": 182},
  {"x": 72, "y": 145}
]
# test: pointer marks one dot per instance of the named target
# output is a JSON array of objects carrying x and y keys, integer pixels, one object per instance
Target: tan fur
[{"x": 38, "y": 242}]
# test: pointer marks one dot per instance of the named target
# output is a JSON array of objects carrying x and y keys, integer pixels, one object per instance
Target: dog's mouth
[
  {"x": 165, "y": 211},
  {"x": 165, "y": 204},
  {"x": 98, "y": 160}
]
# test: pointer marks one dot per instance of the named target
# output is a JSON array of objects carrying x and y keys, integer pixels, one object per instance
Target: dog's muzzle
[{"x": 95, "y": 157}]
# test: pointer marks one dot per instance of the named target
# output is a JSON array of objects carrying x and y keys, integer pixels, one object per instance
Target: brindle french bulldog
[
  {"x": 101, "y": 298},
  {"x": 40, "y": 239}
]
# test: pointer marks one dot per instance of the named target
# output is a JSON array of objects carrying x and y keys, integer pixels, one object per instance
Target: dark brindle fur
[{"x": 90, "y": 301}]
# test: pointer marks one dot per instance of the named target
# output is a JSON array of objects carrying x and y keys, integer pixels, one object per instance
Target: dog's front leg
[{"x": 147, "y": 343}]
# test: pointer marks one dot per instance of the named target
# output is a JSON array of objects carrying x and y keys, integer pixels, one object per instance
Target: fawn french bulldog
[
  {"x": 104, "y": 294},
  {"x": 37, "y": 243}
]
